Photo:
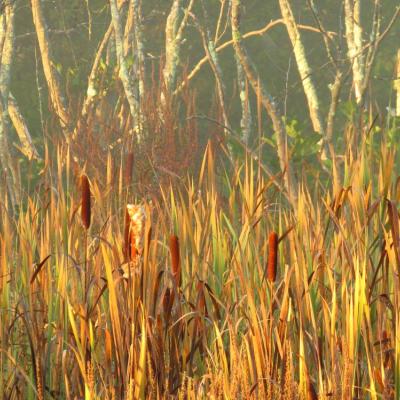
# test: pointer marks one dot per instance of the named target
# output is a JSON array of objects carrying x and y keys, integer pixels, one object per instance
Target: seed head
[
  {"x": 175, "y": 258},
  {"x": 85, "y": 198},
  {"x": 272, "y": 256}
]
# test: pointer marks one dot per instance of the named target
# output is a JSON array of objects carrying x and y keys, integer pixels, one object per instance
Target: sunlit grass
[{"x": 84, "y": 318}]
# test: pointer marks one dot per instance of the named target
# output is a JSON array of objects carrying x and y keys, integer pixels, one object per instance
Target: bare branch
[
  {"x": 258, "y": 32},
  {"x": 266, "y": 99}
]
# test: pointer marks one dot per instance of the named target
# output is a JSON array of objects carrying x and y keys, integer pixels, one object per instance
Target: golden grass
[{"x": 195, "y": 317}]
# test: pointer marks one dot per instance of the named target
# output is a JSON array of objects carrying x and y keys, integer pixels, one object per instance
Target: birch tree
[
  {"x": 354, "y": 37},
  {"x": 56, "y": 92},
  {"x": 174, "y": 29},
  {"x": 397, "y": 84},
  {"x": 304, "y": 69},
  {"x": 134, "y": 104},
  {"x": 7, "y": 37}
]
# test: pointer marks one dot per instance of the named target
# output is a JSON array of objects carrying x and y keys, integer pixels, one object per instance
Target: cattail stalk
[
  {"x": 271, "y": 276},
  {"x": 129, "y": 168},
  {"x": 86, "y": 216},
  {"x": 272, "y": 256},
  {"x": 127, "y": 243}
]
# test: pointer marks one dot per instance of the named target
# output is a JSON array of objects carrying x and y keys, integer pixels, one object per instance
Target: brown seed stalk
[
  {"x": 175, "y": 259},
  {"x": 85, "y": 198},
  {"x": 272, "y": 256}
]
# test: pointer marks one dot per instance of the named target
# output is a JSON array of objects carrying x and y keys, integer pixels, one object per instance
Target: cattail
[
  {"x": 129, "y": 168},
  {"x": 167, "y": 303},
  {"x": 108, "y": 348},
  {"x": 39, "y": 384},
  {"x": 85, "y": 207},
  {"x": 201, "y": 298},
  {"x": 175, "y": 259},
  {"x": 272, "y": 256}
]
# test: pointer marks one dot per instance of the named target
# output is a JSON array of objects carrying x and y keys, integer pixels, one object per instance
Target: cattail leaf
[
  {"x": 38, "y": 268},
  {"x": 394, "y": 226}
]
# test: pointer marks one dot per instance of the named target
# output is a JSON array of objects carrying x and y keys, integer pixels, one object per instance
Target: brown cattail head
[
  {"x": 201, "y": 298},
  {"x": 272, "y": 256},
  {"x": 175, "y": 259},
  {"x": 108, "y": 349},
  {"x": 85, "y": 205},
  {"x": 129, "y": 168},
  {"x": 167, "y": 303}
]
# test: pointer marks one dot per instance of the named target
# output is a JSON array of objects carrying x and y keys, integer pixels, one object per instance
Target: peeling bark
[
  {"x": 133, "y": 101},
  {"x": 246, "y": 120},
  {"x": 7, "y": 36},
  {"x": 173, "y": 42},
  {"x": 354, "y": 33},
  {"x": 304, "y": 68}
]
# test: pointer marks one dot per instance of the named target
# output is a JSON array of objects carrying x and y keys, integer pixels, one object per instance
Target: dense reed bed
[{"x": 215, "y": 289}]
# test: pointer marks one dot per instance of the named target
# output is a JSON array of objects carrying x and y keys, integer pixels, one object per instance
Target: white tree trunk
[
  {"x": 7, "y": 36},
  {"x": 397, "y": 85},
  {"x": 173, "y": 42},
  {"x": 27, "y": 146},
  {"x": 352, "y": 11},
  {"x": 56, "y": 92},
  {"x": 303, "y": 67},
  {"x": 133, "y": 101}
]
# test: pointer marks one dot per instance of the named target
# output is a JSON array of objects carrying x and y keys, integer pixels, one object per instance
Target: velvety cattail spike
[
  {"x": 175, "y": 259},
  {"x": 129, "y": 168},
  {"x": 201, "y": 298},
  {"x": 108, "y": 348},
  {"x": 85, "y": 205},
  {"x": 272, "y": 256},
  {"x": 167, "y": 303}
]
